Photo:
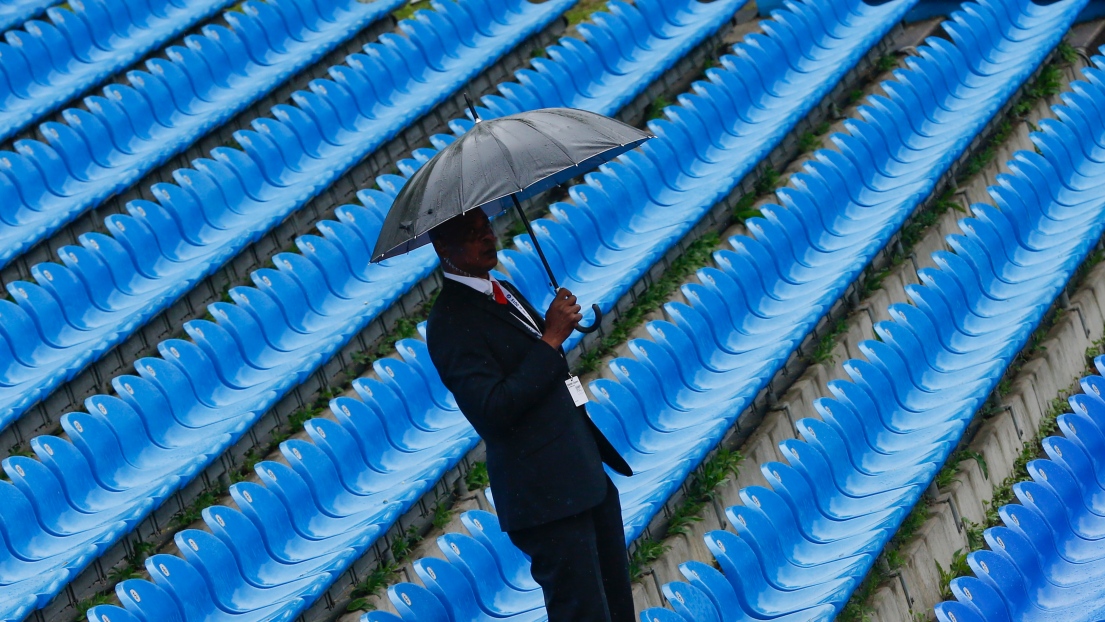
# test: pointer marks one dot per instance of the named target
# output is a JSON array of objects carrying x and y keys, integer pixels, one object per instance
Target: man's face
[{"x": 470, "y": 243}]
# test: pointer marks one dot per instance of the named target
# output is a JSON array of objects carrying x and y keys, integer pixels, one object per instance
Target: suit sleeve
[{"x": 493, "y": 398}]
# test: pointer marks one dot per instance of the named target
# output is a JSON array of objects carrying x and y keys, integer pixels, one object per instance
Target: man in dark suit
[{"x": 506, "y": 368}]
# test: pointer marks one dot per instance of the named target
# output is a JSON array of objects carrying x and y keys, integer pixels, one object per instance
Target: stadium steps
[
  {"x": 344, "y": 190},
  {"x": 127, "y": 312},
  {"x": 201, "y": 483},
  {"x": 265, "y": 468},
  {"x": 903, "y": 201},
  {"x": 1042, "y": 556},
  {"x": 172, "y": 355},
  {"x": 795, "y": 400},
  {"x": 188, "y": 102},
  {"x": 945, "y": 413},
  {"x": 1042, "y": 374},
  {"x": 660, "y": 333},
  {"x": 1009, "y": 431}
]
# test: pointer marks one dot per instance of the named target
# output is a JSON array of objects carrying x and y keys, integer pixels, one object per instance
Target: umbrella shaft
[{"x": 536, "y": 245}]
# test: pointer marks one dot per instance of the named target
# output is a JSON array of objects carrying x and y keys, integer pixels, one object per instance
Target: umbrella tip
[{"x": 471, "y": 107}]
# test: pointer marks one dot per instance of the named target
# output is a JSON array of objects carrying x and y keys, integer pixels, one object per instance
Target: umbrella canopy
[{"x": 497, "y": 163}]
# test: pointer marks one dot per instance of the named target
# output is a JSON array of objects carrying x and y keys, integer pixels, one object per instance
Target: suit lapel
[{"x": 505, "y": 313}]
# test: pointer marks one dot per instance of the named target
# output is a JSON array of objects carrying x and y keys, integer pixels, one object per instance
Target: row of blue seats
[
  {"x": 45, "y": 64},
  {"x": 1045, "y": 561},
  {"x": 807, "y": 541},
  {"x": 130, "y": 130},
  {"x": 323, "y": 483},
  {"x": 112, "y": 284},
  {"x": 673, "y": 400},
  {"x": 182, "y": 410}
]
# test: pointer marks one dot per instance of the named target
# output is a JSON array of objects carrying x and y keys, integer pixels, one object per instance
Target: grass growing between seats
[
  {"x": 696, "y": 256},
  {"x": 477, "y": 478},
  {"x": 408, "y": 9},
  {"x": 858, "y": 608},
  {"x": 1047, "y": 83},
  {"x": 385, "y": 572},
  {"x": 702, "y": 490},
  {"x": 583, "y": 10}
]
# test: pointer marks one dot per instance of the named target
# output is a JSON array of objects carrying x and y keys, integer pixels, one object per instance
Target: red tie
[{"x": 500, "y": 297}]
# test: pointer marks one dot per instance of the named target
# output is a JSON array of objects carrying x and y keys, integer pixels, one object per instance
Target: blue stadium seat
[
  {"x": 478, "y": 565},
  {"x": 659, "y": 614}
]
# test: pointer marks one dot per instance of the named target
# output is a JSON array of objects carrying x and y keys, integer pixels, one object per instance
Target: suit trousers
[{"x": 581, "y": 564}]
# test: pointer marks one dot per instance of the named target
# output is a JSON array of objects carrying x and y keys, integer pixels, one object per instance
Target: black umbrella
[{"x": 498, "y": 163}]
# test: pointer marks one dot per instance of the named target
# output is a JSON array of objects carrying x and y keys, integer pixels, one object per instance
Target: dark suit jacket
[{"x": 544, "y": 455}]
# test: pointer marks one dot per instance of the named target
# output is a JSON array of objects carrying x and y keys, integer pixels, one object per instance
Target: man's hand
[{"x": 561, "y": 318}]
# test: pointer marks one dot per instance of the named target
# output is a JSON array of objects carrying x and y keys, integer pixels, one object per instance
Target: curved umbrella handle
[{"x": 594, "y": 325}]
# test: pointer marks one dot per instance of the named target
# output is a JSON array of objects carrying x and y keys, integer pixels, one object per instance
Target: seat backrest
[{"x": 690, "y": 602}]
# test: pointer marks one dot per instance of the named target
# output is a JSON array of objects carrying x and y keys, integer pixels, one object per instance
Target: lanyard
[{"x": 528, "y": 321}]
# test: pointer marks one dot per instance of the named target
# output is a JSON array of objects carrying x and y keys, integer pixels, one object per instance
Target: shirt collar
[{"x": 482, "y": 286}]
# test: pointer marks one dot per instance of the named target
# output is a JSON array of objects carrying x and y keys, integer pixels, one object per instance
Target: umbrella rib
[
  {"x": 556, "y": 142},
  {"x": 508, "y": 158}
]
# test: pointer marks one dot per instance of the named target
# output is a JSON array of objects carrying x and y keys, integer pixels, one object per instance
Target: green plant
[
  {"x": 477, "y": 478},
  {"x": 823, "y": 352},
  {"x": 90, "y": 602},
  {"x": 808, "y": 142},
  {"x": 442, "y": 514},
  {"x": 656, "y": 108},
  {"x": 703, "y": 489},
  {"x": 192, "y": 513},
  {"x": 1066, "y": 53},
  {"x": 242, "y": 473},
  {"x": 583, "y": 10},
  {"x": 974, "y": 534},
  {"x": 647, "y": 551},
  {"x": 408, "y": 9},
  {"x": 133, "y": 566},
  {"x": 886, "y": 63},
  {"x": 947, "y": 475},
  {"x": 385, "y": 571},
  {"x": 957, "y": 568},
  {"x": 742, "y": 211}
]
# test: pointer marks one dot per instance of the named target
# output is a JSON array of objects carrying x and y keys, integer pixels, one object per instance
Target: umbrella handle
[{"x": 594, "y": 325}]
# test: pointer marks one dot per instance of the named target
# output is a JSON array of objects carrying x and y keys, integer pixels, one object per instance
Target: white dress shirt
[{"x": 484, "y": 287}]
